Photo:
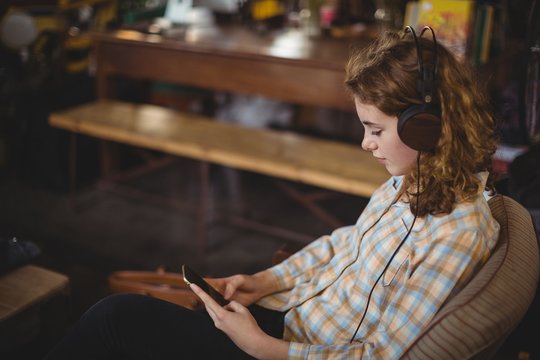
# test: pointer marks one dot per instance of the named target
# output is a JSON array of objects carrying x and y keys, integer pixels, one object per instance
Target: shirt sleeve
[
  {"x": 303, "y": 265},
  {"x": 414, "y": 299}
]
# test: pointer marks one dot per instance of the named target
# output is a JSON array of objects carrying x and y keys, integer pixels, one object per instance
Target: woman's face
[{"x": 382, "y": 139}]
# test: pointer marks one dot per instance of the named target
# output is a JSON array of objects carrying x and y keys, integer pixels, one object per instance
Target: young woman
[{"x": 367, "y": 290}]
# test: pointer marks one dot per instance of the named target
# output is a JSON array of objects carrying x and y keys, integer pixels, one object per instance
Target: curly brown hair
[{"x": 385, "y": 74}]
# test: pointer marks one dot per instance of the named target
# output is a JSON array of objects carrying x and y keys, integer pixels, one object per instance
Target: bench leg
[
  {"x": 310, "y": 205},
  {"x": 204, "y": 198},
  {"x": 72, "y": 164},
  {"x": 109, "y": 158}
]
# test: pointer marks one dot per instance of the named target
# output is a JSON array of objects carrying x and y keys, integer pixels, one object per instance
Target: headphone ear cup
[{"x": 419, "y": 127}]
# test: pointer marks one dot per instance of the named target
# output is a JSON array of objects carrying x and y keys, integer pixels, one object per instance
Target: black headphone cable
[{"x": 397, "y": 249}]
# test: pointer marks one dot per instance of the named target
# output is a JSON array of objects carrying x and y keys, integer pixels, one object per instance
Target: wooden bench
[
  {"x": 22, "y": 291},
  {"x": 323, "y": 163}
]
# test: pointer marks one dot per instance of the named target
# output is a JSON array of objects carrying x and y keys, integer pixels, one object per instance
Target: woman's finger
[
  {"x": 211, "y": 304},
  {"x": 229, "y": 291},
  {"x": 236, "y": 307},
  {"x": 233, "y": 283}
]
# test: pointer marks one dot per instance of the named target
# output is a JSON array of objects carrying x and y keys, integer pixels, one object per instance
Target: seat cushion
[{"x": 477, "y": 320}]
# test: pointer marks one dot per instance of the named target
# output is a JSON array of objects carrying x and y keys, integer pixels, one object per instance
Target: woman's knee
[
  {"x": 121, "y": 300},
  {"x": 116, "y": 307}
]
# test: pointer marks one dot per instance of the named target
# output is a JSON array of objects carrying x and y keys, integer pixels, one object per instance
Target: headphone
[{"x": 419, "y": 125}]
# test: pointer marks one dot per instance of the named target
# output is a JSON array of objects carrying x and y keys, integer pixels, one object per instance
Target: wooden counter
[{"x": 285, "y": 65}]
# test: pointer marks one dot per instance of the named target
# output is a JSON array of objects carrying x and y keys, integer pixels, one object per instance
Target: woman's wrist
[
  {"x": 270, "y": 348},
  {"x": 267, "y": 282}
]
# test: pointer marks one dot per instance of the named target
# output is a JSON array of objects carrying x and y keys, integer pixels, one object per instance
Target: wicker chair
[{"x": 475, "y": 323}]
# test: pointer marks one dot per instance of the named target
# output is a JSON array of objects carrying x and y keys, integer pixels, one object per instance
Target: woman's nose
[{"x": 368, "y": 144}]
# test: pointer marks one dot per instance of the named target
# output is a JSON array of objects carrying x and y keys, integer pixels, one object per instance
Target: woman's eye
[{"x": 376, "y": 132}]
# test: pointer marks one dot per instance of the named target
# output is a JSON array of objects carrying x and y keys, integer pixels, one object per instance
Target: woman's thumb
[{"x": 229, "y": 291}]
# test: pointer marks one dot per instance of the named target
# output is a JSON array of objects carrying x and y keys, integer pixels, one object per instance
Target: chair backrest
[{"x": 475, "y": 323}]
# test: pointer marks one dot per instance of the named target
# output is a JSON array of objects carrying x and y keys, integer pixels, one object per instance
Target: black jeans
[{"x": 128, "y": 326}]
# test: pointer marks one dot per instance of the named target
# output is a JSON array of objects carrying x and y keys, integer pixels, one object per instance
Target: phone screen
[{"x": 191, "y": 277}]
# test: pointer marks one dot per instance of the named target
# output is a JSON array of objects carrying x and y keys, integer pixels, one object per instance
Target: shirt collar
[
  {"x": 482, "y": 176},
  {"x": 398, "y": 180}
]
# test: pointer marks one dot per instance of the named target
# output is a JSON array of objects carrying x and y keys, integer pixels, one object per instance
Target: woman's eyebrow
[{"x": 368, "y": 123}]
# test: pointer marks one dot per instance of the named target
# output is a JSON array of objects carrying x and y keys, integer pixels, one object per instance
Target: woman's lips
[{"x": 380, "y": 160}]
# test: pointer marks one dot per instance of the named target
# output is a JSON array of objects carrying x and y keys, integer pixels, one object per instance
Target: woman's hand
[
  {"x": 246, "y": 289},
  {"x": 236, "y": 321}
]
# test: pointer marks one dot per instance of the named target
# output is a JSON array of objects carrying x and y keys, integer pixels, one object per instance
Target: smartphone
[{"x": 191, "y": 277}]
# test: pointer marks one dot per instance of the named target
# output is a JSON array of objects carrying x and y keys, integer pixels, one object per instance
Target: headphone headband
[{"x": 426, "y": 77}]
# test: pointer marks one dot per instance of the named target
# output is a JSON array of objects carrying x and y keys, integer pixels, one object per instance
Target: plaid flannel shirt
[{"x": 325, "y": 286}]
